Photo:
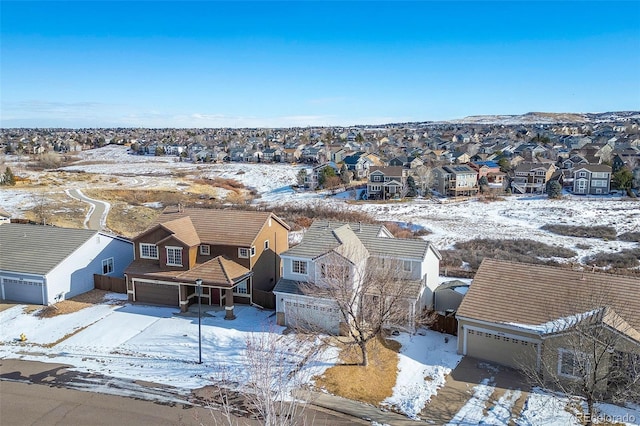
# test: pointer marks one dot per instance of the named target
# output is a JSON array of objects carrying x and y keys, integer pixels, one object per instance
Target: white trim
[
  {"x": 240, "y": 249},
  {"x": 574, "y": 354},
  {"x": 180, "y": 249},
  {"x": 500, "y": 325},
  {"x": 142, "y": 256}
]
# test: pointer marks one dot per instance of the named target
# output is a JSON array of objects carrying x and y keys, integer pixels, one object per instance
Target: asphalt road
[{"x": 34, "y": 393}]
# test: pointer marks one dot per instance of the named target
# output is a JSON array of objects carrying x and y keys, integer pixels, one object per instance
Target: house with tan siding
[
  {"x": 525, "y": 316},
  {"x": 235, "y": 253}
]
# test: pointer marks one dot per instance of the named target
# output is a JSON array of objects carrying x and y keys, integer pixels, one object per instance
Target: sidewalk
[{"x": 359, "y": 410}]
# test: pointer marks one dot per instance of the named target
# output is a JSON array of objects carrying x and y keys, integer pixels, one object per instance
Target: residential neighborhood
[{"x": 349, "y": 235}]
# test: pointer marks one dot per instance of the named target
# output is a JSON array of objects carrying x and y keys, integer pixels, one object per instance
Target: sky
[{"x": 303, "y": 63}]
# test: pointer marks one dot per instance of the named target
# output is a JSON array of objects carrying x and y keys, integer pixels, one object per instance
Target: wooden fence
[
  {"x": 266, "y": 299},
  {"x": 115, "y": 284},
  {"x": 446, "y": 324}
]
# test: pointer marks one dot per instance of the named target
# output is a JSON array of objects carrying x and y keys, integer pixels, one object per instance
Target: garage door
[
  {"x": 505, "y": 350},
  {"x": 312, "y": 316},
  {"x": 157, "y": 294},
  {"x": 23, "y": 291}
]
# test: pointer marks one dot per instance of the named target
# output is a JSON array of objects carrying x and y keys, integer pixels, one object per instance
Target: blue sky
[{"x": 281, "y": 64}]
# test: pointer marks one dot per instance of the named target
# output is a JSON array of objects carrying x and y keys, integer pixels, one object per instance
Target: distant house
[
  {"x": 351, "y": 248},
  {"x": 387, "y": 182},
  {"x": 5, "y": 217},
  {"x": 45, "y": 264},
  {"x": 490, "y": 170},
  {"x": 594, "y": 179},
  {"x": 532, "y": 177},
  {"x": 455, "y": 181},
  {"x": 235, "y": 253},
  {"x": 358, "y": 164}
]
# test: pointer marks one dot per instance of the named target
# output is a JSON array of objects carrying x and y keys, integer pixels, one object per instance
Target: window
[
  {"x": 266, "y": 244},
  {"x": 174, "y": 256},
  {"x": 253, "y": 251},
  {"x": 107, "y": 266},
  {"x": 148, "y": 251},
  {"x": 406, "y": 266},
  {"x": 241, "y": 288},
  {"x": 299, "y": 267},
  {"x": 243, "y": 252},
  {"x": 582, "y": 174},
  {"x": 571, "y": 364},
  {"x": 205, "y": 249},
  {"x": 376, "y": 178}
]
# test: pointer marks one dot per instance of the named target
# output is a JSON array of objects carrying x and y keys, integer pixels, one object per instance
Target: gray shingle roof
[
  {"x": 319, "y": 239},
  {"x": 287, "y": 286},
  {"x": 36, "y": 249}
]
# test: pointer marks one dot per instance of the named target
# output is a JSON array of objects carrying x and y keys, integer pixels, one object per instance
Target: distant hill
[{"x": 548, "y": 118}]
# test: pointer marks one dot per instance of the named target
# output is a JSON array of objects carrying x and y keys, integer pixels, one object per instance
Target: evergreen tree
[
  {"x": 622, "y": 179},
  {"x": 554, "y": 189},
  {"x": 345, "y": 175},
  {"x": 325, "y": 174},
  {"x": 411, "y": 187},
  {"x": 9, "y": 178}
]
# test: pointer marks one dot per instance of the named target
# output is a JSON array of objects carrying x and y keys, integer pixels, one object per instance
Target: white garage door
[
  {"x": 311, "y": 315},
  {"x": 22, "y": 291}
]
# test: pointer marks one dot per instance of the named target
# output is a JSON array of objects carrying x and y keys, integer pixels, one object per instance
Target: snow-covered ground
[
  {"x": 513, "y": 217},
  {"x": 151, "y": 343},
  {"x": 423, "y": 365}
]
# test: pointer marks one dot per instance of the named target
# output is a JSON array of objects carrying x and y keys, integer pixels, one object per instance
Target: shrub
[
  {"x": 604, "y": 232},
  {"x": 520, "y": 250},
  {"x": 624, "y": 259},
  {"x": 633, "y": 237}
]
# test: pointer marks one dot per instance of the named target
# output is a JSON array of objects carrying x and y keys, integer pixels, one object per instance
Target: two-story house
[
  {"x": 532, "y": 177},
  {"x": 490, "y": 170},
  {"x": 592, "y": 179},
  {"x": 455, "y": 181},
  {"x": 236, "y": 254},
  {"x": 359, "y": 164},
  {"x": 349, "y": 249},
  {"x": 387, "y": 183}
]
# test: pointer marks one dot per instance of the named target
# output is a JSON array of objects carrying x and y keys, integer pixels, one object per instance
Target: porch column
[{"x": 228, "y": 304}]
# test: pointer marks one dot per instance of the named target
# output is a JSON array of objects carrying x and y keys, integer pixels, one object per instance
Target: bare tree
[
  {"x": 42, "y": 209},
  {"x": 424, "y": 178},
  {"x": 272, "y": 380},
  {"x": 370, "y": 293},
  {"x": 590, "y": 354}
]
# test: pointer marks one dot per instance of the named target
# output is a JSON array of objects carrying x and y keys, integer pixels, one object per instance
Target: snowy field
[{"x": 513, "y": 217}]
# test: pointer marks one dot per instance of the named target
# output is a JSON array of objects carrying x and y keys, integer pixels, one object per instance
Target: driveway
[{"x": 475, "y": 391}]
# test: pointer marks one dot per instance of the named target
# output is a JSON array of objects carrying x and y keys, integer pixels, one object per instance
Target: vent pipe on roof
[{"x": 359, "y": 226}]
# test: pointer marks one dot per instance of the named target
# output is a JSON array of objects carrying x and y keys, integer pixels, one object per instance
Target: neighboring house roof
[
  {"x": 289, "y": 286},
  {"x": 217, "y": 227},
  {"x": 530, "y": 296},
  {"x": 387, "y": 171},
  {"x": 37, "y": 249},
  {"x": 324, "y": 236},
  {"x": 594, "y": 168}
]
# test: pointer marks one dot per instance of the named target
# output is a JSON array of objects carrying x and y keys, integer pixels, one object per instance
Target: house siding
[
  {"x": 74, "y": 276},
  {"x": 267, "y": 264}
]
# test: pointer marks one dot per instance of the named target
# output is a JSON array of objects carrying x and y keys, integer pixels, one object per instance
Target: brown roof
[
  {"x": 518, "y": 293},
  {"x": 183, "y": 230},
  {"x": 218, "y": 227},
  {"x": 219, "y": 271},
  {"x": 387, "y": 170}
]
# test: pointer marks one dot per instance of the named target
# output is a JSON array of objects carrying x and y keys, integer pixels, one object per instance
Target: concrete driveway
[{"x": 501, "y": 383}]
